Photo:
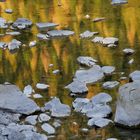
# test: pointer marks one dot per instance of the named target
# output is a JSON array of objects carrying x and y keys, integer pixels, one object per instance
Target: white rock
[
  {"x": 31, "y": 119},
  {"x": 9, "y": 11},
  {"x": 135, "y": 76},
  {"x": 108, "y": 70},
  {"x": 32, "y": 43},
  {"x": 87, "y": 34},
  {"x": 44, "y": 117},
  {"x": 110, "y": 84},
  {"x": 42, "y": 86},
  {"x": 37, "y": 96},
  {"x": 128, "y": 51},
  {"x": 28, "y": 90},
  {"x": 48, "y": 128}
]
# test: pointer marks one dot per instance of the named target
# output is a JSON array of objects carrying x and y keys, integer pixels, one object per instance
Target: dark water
[{"x": 31, "y": 65}]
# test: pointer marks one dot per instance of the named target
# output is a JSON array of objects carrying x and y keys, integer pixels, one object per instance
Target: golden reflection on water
[{"x": 31, "y": 65}]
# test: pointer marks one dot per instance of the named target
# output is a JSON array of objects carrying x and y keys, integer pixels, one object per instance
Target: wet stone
[
  {"x": 128, "y": 51},
  {"x": 31, "y": 119},
  {"x": 57, "y": 109},
  {"x": 57, "y": 123},
  {"x": 86, "y": 60},
  {"x": 111, "y": 139},
  {"x": 135, "y": 76},
  {"x": 37, "y": 96},
  {"x": 60, "y": 33},
  {"x": 77, "y": 87},
  {"x": 48, "y": 128},
  {"x": 89, "y": 76},
  {"x": 56, "y": 71},
  {"x": 99, "y": 111},
  {"x": 46, "y": 25},
  {"x": 110, "y": 84},
  {"x": 110, "y": 40},
  {"x": 98, "y": 40},
  {"x": 43, "y": 36},
  {"x": 32, "y": 43},
  {"x": 88, "y": 34},
  {"x": 118, "y": 2},
  {"x": 14, "y": 44},
  {"x": 44, "y": 117},
  {"x": 98, "y": 19},
  {"x": 3, "y": 23},
  {"x": 99, "y": 122},
  {"x": 3, "y": 45},
  {"x": 108, "y": 70},
  {"x": 28, "y": 90},
  {"x": 22, "y": 23},
  {"x": 127, "y": 111},
  {"x": 101, "y": 98},
  {"x": 14, "y": 100},
  {"x": 131, "y": 61},
  {"x": 13, "y": 33},
  {"x": 42, "y": 86},
  {"x": 9, "y": 11}
]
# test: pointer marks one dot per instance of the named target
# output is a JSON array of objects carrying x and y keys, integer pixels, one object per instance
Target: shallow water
[{"x": 31, "y": 65}]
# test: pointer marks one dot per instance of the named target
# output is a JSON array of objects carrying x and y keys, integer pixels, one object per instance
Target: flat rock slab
[
  {"x": 60, "y": 33},
  {"x": 89, "y": 76},
  {"x": 77, "y": 87},
  {"x": 45, "y": 25},
  {"x": 110, "y": 84},
  {"x": 14, "y": 100},
  {"x": 101, "y": 98},
  {"x": 135, "y": 76},
  {"x": 87, "y": 34},
  {"x": 3, "y": 23},
  {"x": 86, "y": 61},
  {"x": 108, "y": 70},
  {"x": 128, "y": 105},
  {"x": 22, "y": 23},
  {"x": 14, "y": 44},
  {"x": 128, "y": 51},
  {"x": 118, "y": 2},
  {"x": 48, "y": 128},
  {"x": 57, "y": 109}
]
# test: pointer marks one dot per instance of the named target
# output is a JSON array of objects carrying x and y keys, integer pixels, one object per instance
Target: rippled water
[{"x": 31, "y": 65}]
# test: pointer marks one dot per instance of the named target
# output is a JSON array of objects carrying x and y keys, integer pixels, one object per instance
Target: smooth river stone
[
  {"x": 108, "y": 70},
  {"x": 87, "y": 34}
]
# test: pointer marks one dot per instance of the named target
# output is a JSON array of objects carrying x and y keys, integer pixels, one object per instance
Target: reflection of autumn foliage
[{"x": 28, "y": 65}]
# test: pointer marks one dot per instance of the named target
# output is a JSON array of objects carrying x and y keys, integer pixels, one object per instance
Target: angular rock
[
  {"x": 22, "y": 23},
  {"x": 99, "y": 122},
  {"x": 31, "y": 119},
  {"x": 110, "y": 84},
  {"x": 108, "y": 70},
  {"x": 46, "y": 25},
  {"x": 57, "y": 109},
  {"x": 128, "y": 105},
  {"x": 48, "y": 128},
  {"x": 87, "y": 61},
  {"x": 60, "y": 33},
  {"x": 43, "y": 36},
  {"x": 14, "y": 100},
  {"x": 101, "y": 98},
  {"x": 14, "y": 44},
  {"x": 99, "y": 111},
  {"x": 88, "y": 34},
  {"x": 37, "y": 96},
  {"x": 110, "y": 40},
  {"x": 98, "y": 40},
  {"x": 77, "y": 87},
  {"x": 28, "y": 90},
  {"x": 13, "y": 33},
  {"x": 135, "y": 76},
  {"x": 89, "y": 76}
]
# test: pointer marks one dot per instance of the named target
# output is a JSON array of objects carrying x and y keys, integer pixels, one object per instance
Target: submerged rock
[
  {"x": 46, "y": 25},
  {"x": 60, "y": 33},
  {"x": 128, "y": 105},
  {"x": 108, "y": 70},
  {"x": 110, "y": 84},
  {"x": 22, "y": 23},
  {"x": 77, "y": 87},
  {"x": 89, "y": 76},
  {"x": 135, "y": 76},
  {"x": 101, "y": 98},
  {"x": 57, "y": 109},
  {"x": 48, "y": 128},
  {"x": 88, "y": 34},
  {"x": 14, "y": 100},
  {"x": 86, "y": 60},
  {"x": 117, "y": 2}
]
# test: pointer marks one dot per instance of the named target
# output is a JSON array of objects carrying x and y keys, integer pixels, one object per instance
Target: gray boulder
[
  {"x": 128, "y": 105},
  {"x": 14, "y": 100},
  {"x": 135, "y": 76}
]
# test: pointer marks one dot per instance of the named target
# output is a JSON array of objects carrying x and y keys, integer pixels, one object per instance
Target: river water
[{"x": 31, "y": 65}]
